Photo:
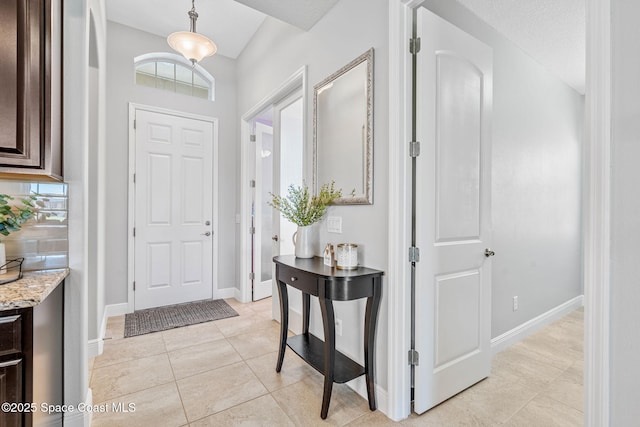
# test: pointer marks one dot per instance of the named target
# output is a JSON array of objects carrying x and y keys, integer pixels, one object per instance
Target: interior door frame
[
  {"x": 596, "y": 211},
  {"x": 296, "y": 81},
  {"x": 133, "y": 107},
  {"x": 257, "y": 245}
]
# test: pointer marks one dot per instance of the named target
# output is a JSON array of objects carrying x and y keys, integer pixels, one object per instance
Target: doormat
[{"x": 175, "y": 316}]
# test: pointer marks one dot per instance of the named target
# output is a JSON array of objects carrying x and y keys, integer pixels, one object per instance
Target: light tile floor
[{"x": 222, "y": 374}]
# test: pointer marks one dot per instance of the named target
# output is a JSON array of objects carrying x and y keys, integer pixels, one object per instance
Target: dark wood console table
[{"x": 312, "y": 277}]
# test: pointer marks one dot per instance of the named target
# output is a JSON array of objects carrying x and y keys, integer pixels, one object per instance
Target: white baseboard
[
  {"x": 113, "y": 310},
  {"x": 96, "y": 346},
  {"x": 359, "y": 385},
  {"x": 295, "y": 321},
  {"x": 522, "y": 331},
  {"x": 226, "y": 293},
  {"x": 237, "y": 295},
  {"x": 77, "y": 418}
]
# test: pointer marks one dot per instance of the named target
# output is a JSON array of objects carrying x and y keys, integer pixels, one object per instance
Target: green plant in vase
[
  {"x": 304, "y": 209},
  {"x": 12, "y": 217}
]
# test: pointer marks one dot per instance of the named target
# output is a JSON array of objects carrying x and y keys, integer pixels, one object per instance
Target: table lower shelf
[{"x": 311, "y": 349}]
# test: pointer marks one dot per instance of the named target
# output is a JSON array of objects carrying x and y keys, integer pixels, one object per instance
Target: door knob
[
  {"x": 488, "y": 252},
  {"x": 208, "y": 233},
  {"x": 275, "y": 238}
]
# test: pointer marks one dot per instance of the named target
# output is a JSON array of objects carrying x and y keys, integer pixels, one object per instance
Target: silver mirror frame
[{"x": 367, "y": 197}]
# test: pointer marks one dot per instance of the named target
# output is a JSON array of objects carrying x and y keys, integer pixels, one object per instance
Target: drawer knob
[{"x": 293, "y": 279}]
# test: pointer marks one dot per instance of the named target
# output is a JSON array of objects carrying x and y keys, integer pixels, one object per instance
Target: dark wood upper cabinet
[{"x": 31, "y": 95}]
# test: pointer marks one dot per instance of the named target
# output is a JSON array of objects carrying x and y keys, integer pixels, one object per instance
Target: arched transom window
[{"x": 174, "y": 73}]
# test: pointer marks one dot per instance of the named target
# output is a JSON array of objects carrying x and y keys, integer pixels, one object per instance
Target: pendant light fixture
[{"x": 190, "y": 44}]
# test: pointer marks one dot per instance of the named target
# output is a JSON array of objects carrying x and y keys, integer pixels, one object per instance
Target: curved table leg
[
  {"x": 306, "y": 309},
  {"x": 328, "y": 322},
  {"x": 371, "y": 317},
  {"x": 284, "y": 322}
]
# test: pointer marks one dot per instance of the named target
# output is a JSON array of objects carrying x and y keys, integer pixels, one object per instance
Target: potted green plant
[
  {"x": 11, "y": 219},
  {"x": 304, "y": 210}
]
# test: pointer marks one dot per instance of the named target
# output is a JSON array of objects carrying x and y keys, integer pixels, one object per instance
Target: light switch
[{"x": 334, "y": 224}]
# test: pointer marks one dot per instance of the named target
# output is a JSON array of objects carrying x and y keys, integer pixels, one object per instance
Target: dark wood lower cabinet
[
  {"x": 11, "y": 390},
  {"x": 31, "y": 362}
]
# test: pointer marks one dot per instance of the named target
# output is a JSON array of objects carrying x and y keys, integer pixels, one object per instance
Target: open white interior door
[
  {"x": 266, "y": 242},
  {"x": 453, "y": 276},
  {"x": 278, "y": 164}
]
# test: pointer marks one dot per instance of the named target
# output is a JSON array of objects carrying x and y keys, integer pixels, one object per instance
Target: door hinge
[
  {"x": 134, "y": 232},
  {"x": 252, "y": 276},
  {"x": 134, "y": 123},
  {"x": 134, "y": 286},
  {"x": 252, "y": 138},
  {"x": 134, "y": 178},
  {"x": 414, "y": 148},
  {"x": 252, "y": 183},
  {"x": 414, "y": 45},
  {"x": 252, "y": 230},
  {"x": 414, "y": 254},
  {"x": 414, "y": 357}
]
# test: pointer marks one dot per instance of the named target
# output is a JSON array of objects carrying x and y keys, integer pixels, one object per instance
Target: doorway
[
  {"x": 172, "y": 207},
  {"x": 453, "y": 204},
  {"x": 400, "y": 191},
  {"x": 276, "y": 142},
  {"x": 273, "y": 152}
]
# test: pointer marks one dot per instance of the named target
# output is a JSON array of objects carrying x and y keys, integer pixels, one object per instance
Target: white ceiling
[
  {"x": 550, "y": 31},
  {"x": 228, "y": 23},
  {"x": 301, "y": 13},
  {"x": 553, "y": 32}
]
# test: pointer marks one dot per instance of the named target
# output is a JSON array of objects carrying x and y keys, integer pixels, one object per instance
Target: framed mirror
[{"x": 343, "y": 131}]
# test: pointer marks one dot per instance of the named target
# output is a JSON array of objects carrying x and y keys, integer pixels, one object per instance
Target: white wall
[
  {"x": 95, "y": 158},
  {"x": 125, "y": 43},
  {"x": 75, "y": 83},
  {"x": 625, "y": 213},
  {"x": 276, "y": 51},
  {"x": 536, "y": 179}
]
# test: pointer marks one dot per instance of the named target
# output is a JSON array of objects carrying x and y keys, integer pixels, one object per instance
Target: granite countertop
[{"x": 31, "y": 290}]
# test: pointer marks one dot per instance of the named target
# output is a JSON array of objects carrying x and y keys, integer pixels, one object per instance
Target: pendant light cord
[{"x": 193, "y": 16}]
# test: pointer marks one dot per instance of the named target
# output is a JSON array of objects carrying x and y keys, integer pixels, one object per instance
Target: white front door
[
  {"x": 173, "y": 209},
  {"x": 266, "y": 244},
  {"x": 453, "y": 276}
]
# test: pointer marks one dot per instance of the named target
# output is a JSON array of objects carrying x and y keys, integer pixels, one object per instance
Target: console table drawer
[{"x": 307, "y": 283}]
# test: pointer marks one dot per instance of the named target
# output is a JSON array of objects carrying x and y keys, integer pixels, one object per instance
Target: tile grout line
[
  {"x": 269, "y": 392},
  {"x": 522, "y": 407},
  {"x": 212, "y": 369},
  {"x": 136, "y": 391},
  {"x": 184, "y": 410}
]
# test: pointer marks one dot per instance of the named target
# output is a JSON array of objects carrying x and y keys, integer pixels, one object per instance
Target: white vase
[
  {"x": 3, "y": 258},
  {"x": 303, "y": 241}
]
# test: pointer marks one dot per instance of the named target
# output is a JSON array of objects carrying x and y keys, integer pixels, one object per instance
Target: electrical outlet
[
  {"x": 515, "y": 303},
  {"x": 334, "y": 224},
  {"x": 339, "y": 327}
]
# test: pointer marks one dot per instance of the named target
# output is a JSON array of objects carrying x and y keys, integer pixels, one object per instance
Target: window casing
[{"x": 173, "y": 73}]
